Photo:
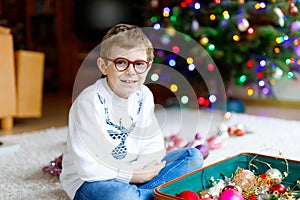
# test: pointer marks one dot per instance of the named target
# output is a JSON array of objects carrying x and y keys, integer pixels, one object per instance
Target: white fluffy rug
[
  {"x": 22, "y": 177},
  {"x": 21, "y": 170}
]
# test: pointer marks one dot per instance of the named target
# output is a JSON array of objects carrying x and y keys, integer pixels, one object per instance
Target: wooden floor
[
  {"x": 54, "y": 114},
  {"x": 56, "y": 107}
]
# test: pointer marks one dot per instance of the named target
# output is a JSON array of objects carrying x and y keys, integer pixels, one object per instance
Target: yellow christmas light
[
  {"x": 189, "y": 60},
  {"x": 212, "y": 17},
  {"x": 257, "y": 6},
  {"x": 204, "y": 41},
  {"x": 174, "y": 87},
  {"x": 166, "y": 14},
  {"x": 226, "y": 14},
  {"x": 250, "y": 91},
  {"x": 279, "y": 40},
  {"x": 236, "y": 38},
  {"x": 171, "y": 31}
]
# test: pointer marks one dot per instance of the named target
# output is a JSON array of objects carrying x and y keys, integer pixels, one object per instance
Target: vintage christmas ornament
[
  {"x": 280, "y": 15},
  {"x": 227, "y": 115},
  {"x": 295, "y": 26},
  {"x": 293, "y": 10},
  {"x": 214, "y": 142},
  {"x": 204, "y": 194},
  {"x": 197, "y": 140},
  {"x": 279, "y": 188},
  {"x": 252, "y": 197},
  {"x": 265, "y": 179},
  {"x": 237, "y": 130},
  {"x": 243, "y": 25},
  {"x": 189, "y": 195},
  {"x": 244, "y": 178},
  {"x": 275, "y": 174},
  {"x": 203, "y": 149},
  {"x": 231, "y": 194},
  {"x": 230, "y": 187},
  {"x": 223, "y": 132},
  {"x": 217, "y": 189}
]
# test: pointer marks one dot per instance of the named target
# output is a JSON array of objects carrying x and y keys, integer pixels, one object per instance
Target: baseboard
[{"x": 272, "y": 103}]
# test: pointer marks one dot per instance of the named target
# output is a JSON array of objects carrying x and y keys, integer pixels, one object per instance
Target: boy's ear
[{"x": 102, "y": 66}]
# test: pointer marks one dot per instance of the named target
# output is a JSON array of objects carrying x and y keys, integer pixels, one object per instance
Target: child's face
[{"x": 126, "y": 82}]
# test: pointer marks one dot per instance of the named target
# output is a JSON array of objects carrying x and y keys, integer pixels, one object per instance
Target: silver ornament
[{"x": 275, "y": 174}]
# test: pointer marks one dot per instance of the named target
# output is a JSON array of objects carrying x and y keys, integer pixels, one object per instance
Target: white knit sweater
[{"x": 109, "y": 136}]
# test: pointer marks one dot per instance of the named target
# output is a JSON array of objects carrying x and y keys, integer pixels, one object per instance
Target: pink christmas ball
[{"x": 231, "y": 194}]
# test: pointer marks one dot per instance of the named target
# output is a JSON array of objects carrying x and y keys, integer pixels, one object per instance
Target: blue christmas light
[
  {"x": 172, "y": 62},
  {"x": 156, "y": 26}
]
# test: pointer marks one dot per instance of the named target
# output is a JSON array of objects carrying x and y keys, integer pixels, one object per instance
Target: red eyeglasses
[{"x": 121, "y": 64}]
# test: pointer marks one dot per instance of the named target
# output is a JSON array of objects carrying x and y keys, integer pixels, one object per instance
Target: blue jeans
[{"x": 178, "y": 162}]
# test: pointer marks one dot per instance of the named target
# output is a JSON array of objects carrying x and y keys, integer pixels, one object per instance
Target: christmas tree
[{"x": 254, "y": 42}]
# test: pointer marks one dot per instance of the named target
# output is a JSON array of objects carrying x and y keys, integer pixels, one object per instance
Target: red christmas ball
[
  {"x": 263, "y": 176},
  {"x": 279, "y": 188},
  {"x": 189, "y": 195},
  {"x": 252, "y": 198},
  {"x": 293, "y": 10}
]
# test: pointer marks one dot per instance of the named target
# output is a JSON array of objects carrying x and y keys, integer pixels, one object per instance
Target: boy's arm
[{"x": 148, "y": 172}]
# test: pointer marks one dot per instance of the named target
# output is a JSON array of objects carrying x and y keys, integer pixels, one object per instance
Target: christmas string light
[{"x": 270, "y": 24}]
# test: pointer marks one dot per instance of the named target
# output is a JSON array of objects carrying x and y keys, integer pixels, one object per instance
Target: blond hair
[{"x": 126, "y": 36}]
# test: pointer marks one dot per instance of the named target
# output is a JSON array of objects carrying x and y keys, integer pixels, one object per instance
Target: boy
[{"x": 115, "y": 149}]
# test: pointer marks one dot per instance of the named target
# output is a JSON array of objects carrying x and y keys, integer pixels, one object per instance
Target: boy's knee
[
  {"x": 195, "y": 157},
  {"x": 195, "y": 153},
  {"x": 125, "y": 194}
]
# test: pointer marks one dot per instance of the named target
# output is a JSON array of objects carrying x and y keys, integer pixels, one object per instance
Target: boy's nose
[{"x": 130, "y": 69}]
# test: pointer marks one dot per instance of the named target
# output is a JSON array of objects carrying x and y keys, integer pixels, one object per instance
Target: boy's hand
[{"x": 148, "y": 172}]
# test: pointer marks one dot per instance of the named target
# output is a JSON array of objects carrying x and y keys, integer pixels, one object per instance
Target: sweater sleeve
[{"x": 87, "y": 144}]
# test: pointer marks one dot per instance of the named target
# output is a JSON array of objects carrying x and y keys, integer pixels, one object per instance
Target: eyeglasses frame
[{"x": 129, "y": 62}]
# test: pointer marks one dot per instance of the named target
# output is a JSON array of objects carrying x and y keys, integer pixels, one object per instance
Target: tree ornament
[
  {"x": 243, "y": 25},
  {"x": 293, "y": 10},
  {"x": 203, "y": 149},
  {"x": 295, "y": 26},
  {"x": 279, "y": 188},
  {"x": 189, "y": 195},
  {"x": 231, "y": 187},
  {"x": 245, "y": 179},
  {"x": 217, "y": 188},
  {"x": 205, "y": 195},
  {"x": 275, "y": 174},
  {"x": 280, "y": 15},
  {"x": 214, "y": 142},
  {"x": 252, "y": 197},
  {"x": 195, "y": 25},
  {"x": 231, "y": 194}
]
